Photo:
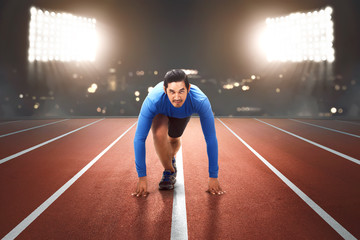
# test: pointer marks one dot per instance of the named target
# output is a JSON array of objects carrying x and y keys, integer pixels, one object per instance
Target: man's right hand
[{"x": 141, "y": 188}]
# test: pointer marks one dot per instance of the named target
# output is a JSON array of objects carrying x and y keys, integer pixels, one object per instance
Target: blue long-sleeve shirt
[{"x": 158, "y": 102}]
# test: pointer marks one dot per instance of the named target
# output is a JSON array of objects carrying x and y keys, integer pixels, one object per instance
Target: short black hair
[{"x": 176, "y": 75}]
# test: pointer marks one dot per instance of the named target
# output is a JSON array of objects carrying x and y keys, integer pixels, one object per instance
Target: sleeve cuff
[
  {"x": 142, "y": 174},
  {"x": 213, "y": 174}
]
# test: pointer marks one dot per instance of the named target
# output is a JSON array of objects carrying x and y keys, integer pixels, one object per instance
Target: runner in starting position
[{"x": 167, "y": 110}]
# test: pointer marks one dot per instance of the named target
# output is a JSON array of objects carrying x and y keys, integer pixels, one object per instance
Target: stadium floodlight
[
  {"x": 61, "y": 37},
  {"x": 300, "y": 37}
]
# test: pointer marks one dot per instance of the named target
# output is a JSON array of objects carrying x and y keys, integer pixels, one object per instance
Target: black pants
[{"x": 177, "y": 126}]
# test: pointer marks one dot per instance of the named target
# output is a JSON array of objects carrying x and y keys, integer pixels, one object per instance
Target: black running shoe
[{"x": 168, "y": 180}]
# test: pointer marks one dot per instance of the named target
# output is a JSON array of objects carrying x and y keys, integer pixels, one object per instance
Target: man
[{"x": 167, "y": 110}]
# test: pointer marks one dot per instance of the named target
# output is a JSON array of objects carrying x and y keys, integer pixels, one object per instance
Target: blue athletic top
[{"x": 158, "y": 102}]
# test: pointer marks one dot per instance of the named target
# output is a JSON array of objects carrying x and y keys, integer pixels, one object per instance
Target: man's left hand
[{"x": 214, "y": 187}]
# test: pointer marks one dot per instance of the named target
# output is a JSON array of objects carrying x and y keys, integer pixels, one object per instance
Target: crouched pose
[{"x": 167, "y": 110}]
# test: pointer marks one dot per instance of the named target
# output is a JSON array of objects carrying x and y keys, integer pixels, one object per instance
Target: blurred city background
[{"x": 218, "y": 43}]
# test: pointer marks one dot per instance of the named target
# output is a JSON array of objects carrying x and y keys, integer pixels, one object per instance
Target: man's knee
[
  {"x": 174, "y": 140},
  {"x": 159, "y": 134},
  {"x": 159, "y": 127}
]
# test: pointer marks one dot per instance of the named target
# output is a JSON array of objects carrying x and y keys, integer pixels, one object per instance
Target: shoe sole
[
  {"x": 169, "y": 187},
  {"x": 166, "y": 188}
]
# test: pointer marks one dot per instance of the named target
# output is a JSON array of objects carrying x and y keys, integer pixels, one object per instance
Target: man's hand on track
[
  {"x": 214, "y": 187},
  {"x": 141, "y": 188}
]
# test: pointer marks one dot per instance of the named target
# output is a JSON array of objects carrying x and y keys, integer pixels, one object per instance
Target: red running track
[{"x": 257, "y": 205}]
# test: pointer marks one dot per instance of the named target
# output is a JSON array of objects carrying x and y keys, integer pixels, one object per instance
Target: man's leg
[
  {"x": 166, "y": 147},
  {"x": 175, "y": 145}
]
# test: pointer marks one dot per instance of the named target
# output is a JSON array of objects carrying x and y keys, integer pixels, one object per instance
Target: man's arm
[
  {"x": 146, "y": 115},
  {"x": 208, "y": 127},
  {"x": 142, "y": 131}
]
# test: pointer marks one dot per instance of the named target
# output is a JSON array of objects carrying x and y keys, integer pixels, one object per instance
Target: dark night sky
[{"x": 213, "y": 36}]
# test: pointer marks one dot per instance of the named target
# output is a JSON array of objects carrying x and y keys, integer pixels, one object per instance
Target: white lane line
[
  {"x": 316, "y": 144},
  {"x": 44, "y": 143},
  {"x": 355, "y": 123},
  {"x": 324, "y": 215},
  {"x": 179, "y": 221},
  {"x": 36, "y": 213},
  {"x": 3, "y": 123},
  {"x": 27, "y": 129},
  {"x": 353, "y": 135}
]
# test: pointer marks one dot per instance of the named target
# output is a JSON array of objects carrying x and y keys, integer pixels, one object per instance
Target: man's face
[{"x": 177, "y": 93}]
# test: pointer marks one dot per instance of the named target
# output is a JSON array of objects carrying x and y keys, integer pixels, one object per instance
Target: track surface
[{"x": 257, "y": 205}]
